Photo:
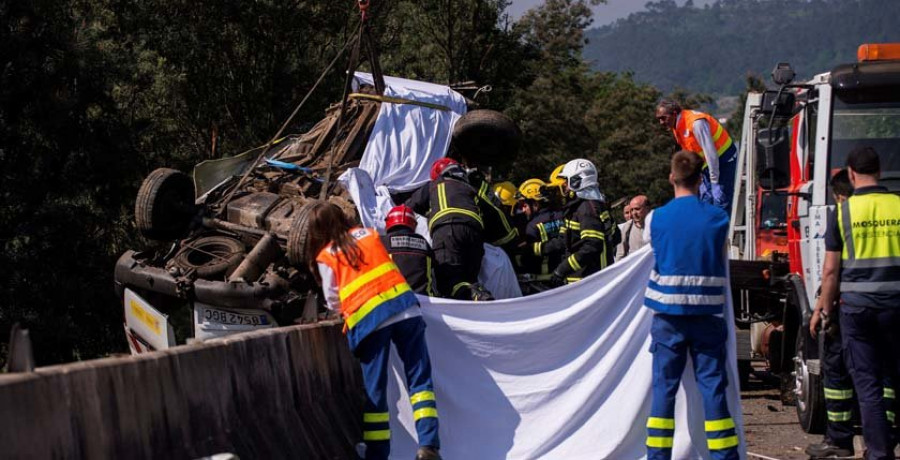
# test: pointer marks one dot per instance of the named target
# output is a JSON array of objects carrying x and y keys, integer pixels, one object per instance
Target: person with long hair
[{"x": 360, "y": 280}]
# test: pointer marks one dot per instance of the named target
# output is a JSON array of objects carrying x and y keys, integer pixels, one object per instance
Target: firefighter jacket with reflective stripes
[
  {"x": 543, "y": 227},
  {"x": 689, "y": 275},
  {"x": 684, "y": 133},
  {"x": 413, "y": 256},
  {"x": 447, "y": 201},
  {"x": 869, "y": 224},
  {"x": 588, "y": 236},
  {"x": 366, "y": 295},
  {"x": 497, "y": 228}
]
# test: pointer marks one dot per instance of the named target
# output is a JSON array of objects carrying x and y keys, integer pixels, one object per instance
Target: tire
[
  {"x": 211, "y": 256},
  {"x": 486, "y": 137},
  {"x": 165, "y": 205},
  {"x": 809, "y": 388},
  {"x": 298, "y": 238}
]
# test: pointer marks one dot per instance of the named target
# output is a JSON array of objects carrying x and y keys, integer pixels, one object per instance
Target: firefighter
[
  {"x": 862, "y": 266},
  {"x": 359, "y": 279},
  {"x": 410, "y": 251},
  {"x": 508, "y": 196},
  {"x": 498, "y": 230},
  {"x": 457, "y": 228},
  {"x": 543, "y": 226},
  {"x": 686, "y": 292},
  {"x": 589, "y": 234},
  {"x": 702, "y": 134},
  {"x": 557, "y": 187}
]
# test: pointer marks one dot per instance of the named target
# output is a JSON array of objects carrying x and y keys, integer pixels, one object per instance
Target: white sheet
[
  {"x": 407, "y": 139},
  {"x": 565, "y": 374}
]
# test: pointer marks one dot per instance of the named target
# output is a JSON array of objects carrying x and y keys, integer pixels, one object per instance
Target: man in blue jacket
[{"x": 687, "y": 291}]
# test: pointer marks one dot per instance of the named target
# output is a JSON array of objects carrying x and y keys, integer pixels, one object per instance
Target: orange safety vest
[
  {"x": 684, "y": 134},
  {"x": 372, "y": 293}
]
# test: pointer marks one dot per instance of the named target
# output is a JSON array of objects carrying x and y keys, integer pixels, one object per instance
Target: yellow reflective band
[
  {"x": 890, "y": 416},
  {"x": 375, "y": 301},
  {"x": 379, "y": 435},
  {"x": 442, "y": 196},
  {"x": 724, "y": 147},
  {"x": 429, "y": 288},
  {"x": 459, "y": 286},
  {"x": 424, "y": 412},
  {"x": 574, "y": 225},
  {"x": 366, "y": 278},
  {"x": 562, "y": 230},
  {"x": 537, "y": 249},
  {"x": 572, "y": 280},
  {"x": 448, "y": 211},
  {"x": 506, "y": 239},
  {"x": 839, "y": 416},
  {"x": 573, "y": 262},
  {"x": 718, "y": 133},
  {"x": 889, "y": 393},
  {"x": 831, "y": 393},
  {"x": 376, "y": 417},
  {"x": 722, "y": 443},
  {"x": 661, "y": 423},
  {"x": 660, "y": 442},
  {"x": 542, "y": 231},
  {"x": 421, "y": 396},
  {"x": 719, "y": 425},
  {"x": 592, "y": 234}
]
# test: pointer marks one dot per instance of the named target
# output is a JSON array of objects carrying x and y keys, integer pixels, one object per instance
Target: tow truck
[{"x": 793, "y": 140}]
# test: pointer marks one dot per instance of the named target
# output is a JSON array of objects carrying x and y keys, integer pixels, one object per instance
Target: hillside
[{"x": 712, "y": 48}]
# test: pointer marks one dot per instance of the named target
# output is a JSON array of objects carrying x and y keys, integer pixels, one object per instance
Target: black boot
[
  {"x": 427, "y": 453},
  {"x": 827, "y": 449}
]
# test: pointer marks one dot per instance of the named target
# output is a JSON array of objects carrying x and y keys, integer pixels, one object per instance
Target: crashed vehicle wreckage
[{"x": 231, "y": 257}]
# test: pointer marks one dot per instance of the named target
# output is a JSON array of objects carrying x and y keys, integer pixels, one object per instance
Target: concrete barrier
[{"x": 294, "y": 392}]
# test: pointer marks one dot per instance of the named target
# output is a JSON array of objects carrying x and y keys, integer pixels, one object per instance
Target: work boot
[
  {"x": 427, "y": 453},
  {"x": 827, "y": 449}
]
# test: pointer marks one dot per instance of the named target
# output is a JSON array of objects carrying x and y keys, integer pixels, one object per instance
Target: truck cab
[{"x": 794, "y": 140}]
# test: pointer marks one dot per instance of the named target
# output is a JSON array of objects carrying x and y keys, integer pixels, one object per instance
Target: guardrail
[{"x": 292, "y": 392}]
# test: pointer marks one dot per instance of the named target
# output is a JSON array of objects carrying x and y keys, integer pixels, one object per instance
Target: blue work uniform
[
  {"x": 687, "y": 291},
  {"x": 866, "y": 231}
]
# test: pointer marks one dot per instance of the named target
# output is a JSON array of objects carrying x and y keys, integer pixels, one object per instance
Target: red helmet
[
  {"x": 400, "y": 215},
  {"x": 440, "y": 165}
]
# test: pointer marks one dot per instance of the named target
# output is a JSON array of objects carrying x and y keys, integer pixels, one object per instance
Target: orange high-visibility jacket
[
  {"x": 684, "y": 133},
  {"x": 369, "y": 295}
]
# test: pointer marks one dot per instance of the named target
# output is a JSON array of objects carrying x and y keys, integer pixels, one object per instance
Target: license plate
[{"x": 216, "y": 316}]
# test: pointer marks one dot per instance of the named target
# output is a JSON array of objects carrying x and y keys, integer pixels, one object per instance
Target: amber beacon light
[{"x": 878, "y": 52}]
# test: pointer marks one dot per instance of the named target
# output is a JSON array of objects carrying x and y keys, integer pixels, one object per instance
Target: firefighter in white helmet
[{"x": 589, "y": 234}]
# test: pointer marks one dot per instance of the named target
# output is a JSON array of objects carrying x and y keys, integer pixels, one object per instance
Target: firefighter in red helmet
[
  {"x": 457, "y": 229},
  {"x": 410, "y": 251}
]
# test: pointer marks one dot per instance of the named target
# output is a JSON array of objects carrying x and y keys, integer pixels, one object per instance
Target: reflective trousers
[
  {"x": 373, "y": 353},
  {"x": 703, "y": 337},
  {"x": 872, "y": 352}
]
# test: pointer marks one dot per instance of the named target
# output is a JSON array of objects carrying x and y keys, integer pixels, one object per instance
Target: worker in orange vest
[
  {"x": 702, "y": 134},
  {"x": 359, "y": 279}
]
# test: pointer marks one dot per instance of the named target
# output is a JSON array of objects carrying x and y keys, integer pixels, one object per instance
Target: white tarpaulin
[{"x": 565, "y": 374}]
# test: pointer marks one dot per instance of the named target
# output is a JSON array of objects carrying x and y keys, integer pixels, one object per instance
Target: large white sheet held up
[{"x": 565, "y": 374}]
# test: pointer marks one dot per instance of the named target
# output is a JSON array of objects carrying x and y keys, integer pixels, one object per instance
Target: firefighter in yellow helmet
[
  {"x": 556, "y": 188},
  {"x": 543, "y": 225},
  {"x": 507, "y": 194}
]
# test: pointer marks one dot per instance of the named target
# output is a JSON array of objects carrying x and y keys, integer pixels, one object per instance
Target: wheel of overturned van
[
  {"x": 210, "y": 257},
  {"x": 164, "y": 205},
  {"x": 298, "y": 236},
  {"x": 486, "y": 137}
]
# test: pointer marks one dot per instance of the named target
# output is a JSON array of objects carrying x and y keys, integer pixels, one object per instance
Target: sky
[{"x": 603, "y": 14}]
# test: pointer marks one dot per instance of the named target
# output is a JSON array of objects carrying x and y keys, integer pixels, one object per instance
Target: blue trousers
[
  {"x": 373, "y": 353},
  {"x": 872, "y": 352},
  {"x": 703, "y": 337},
  {"x": 727, "y": 170}
]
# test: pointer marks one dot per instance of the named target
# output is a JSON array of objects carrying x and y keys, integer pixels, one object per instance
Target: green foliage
[{"x": 710, "y": 48}]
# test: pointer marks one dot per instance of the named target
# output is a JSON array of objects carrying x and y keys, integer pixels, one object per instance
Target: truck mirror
[
  {"x": 778, "y": 104},
  {"x": 773, "y": 164}
]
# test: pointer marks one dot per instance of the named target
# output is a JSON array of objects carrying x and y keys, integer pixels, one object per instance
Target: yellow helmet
[
  {"x": 506, "y": 192},
  {"x": 533, "y": 189},
  {"x": 554, "y": 176}
]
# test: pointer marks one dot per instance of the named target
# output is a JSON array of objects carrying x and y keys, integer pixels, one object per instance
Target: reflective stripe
[
  {"x": 573, "y": 224},
  {"x": 846, "y": 229},
  {"x": 724, "y": 146},
  {"x": 839, "y": 416},
  {"x": 425, "y": 412},
  {"x": 442, "y": 196},
  {"x": 459, "y": 286},
  {"x": 375, "y": 301},
  {"x": 429, "y": 278},
  {"x": 379, "y": 435},
  {"x": 719, "y": 425},
  {"x": 722, "y": 443},
  {"x": 592, "y": 234},
  {"x": 573, "y": 262},
  {"x": 831, "y": 393},
  {"x": 506, "y": 239},
  {"x": 366, "y": 278},
  {"x": 661, "y": 423},
  {"x": 869, "y": 286},
  {"x": 448, "y": 211},
  {"x": 891, "y": 416},
  {"x": 660, "y": 442},
  {"x": 687, "y": 280},
  {"x": 572, "y": 279},
  {"x": 421, "y": 396},
  {"x": 889, "y": 393},
  {"x": 878, "y": 262},
  {"x": 537, "y": 249},
  {"x": 376, "y": 417},
  {"x": 543, "y": 231},
  {"x": 684, "y": 299}
]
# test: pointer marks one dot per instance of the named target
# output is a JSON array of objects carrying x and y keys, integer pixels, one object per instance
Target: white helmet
[{"x": 580, "y": 174}]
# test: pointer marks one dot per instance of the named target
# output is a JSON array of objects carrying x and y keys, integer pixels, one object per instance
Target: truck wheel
[
  {"x": 210, "y": 256},
  {"x": 297, "y": 236},
  {"x": 808, "y": 389},
  {"x": 164, "y": 205},
  {"x": 486, "y": 137}
]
